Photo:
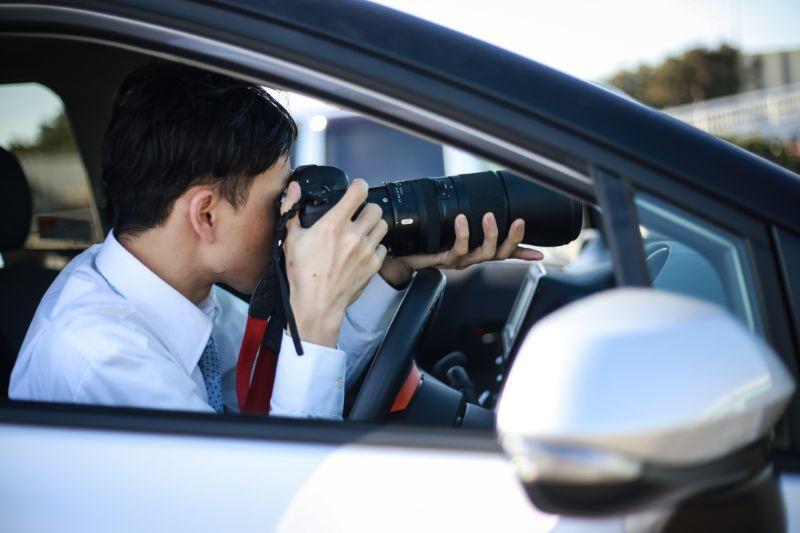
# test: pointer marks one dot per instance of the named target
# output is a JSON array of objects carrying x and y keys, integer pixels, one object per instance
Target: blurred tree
[
  {"x": 697, "y": 74},
  {"x": 784, "y": 154},
  {"x": 53, "y": 136}
]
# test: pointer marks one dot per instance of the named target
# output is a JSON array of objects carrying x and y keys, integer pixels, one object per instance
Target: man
[{"x": 194, "y": 164}]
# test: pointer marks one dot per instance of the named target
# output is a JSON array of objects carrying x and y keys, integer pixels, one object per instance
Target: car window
[
  {"x": 692, "y": 256},
  {"x": 36, "y": 130}
]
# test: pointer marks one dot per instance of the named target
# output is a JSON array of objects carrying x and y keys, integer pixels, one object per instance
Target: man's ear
[{"x": 203, "y": 204}]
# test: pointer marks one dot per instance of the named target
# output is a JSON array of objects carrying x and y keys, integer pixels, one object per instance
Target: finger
[
  {"x": 368, "y": 217},
  {"x": 346, "y": 207},
  {"x": 460, "y": 246},
  {"x": 380, "y": 254},
  {"x": 528, "y": 254},
  {"x": 377, "y": 233},
  {"x": 291, "y": 198},
  {"x": 486, "y": 250},
  {"x": 515, "y": 234}
]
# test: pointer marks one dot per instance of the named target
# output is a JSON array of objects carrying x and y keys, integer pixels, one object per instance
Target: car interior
[{"x": 468, "y": 323}]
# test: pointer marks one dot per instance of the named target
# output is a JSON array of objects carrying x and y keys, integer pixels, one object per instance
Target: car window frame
[{"x": 787, "y": 244}]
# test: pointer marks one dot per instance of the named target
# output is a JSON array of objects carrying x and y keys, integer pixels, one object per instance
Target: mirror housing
[{"x": 632, "y": 398}]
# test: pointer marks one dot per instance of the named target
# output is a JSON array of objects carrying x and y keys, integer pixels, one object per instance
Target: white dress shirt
[{"x": 109, "y": 331}]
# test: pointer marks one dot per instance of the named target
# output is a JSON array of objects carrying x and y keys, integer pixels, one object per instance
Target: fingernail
[
  {"x": 521, "y": 225},
  {"x": 461, "y": 220},
  {"x": 294, "y": 187},
  {"x": 491, "y": 220}
]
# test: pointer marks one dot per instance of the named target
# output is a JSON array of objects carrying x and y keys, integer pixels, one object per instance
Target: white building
[{"x": 771, "y": 113}]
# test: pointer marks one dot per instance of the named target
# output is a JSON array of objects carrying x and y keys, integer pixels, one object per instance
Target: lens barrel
[{"x": 421, "y": 213}]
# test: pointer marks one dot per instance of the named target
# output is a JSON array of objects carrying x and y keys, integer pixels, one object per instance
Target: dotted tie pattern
[{"x": 212, "y": 375}]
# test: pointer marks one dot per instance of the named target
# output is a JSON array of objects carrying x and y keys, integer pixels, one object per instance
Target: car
[{"x": 686, "y": 237}]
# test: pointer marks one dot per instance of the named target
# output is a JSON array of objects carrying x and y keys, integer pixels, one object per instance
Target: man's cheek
[
  {"x": 252, "y": 272},
  {"x": 260, "y": 258}
]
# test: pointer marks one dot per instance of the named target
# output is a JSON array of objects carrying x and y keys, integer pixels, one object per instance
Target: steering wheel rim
[{"x": 393, "y": 358}]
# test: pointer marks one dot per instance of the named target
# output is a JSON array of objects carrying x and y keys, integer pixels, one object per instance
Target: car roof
[{"x": 582, "y": 107}]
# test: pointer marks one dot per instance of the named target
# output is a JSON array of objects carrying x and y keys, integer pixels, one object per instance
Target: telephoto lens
[{"x": 421, "y": 213}]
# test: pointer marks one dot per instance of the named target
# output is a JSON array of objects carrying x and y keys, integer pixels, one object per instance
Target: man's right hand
[{"x": 330, "y": 263}]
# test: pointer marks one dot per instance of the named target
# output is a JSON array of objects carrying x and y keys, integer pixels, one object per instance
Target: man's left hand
[{"x": 398, "y": 271}]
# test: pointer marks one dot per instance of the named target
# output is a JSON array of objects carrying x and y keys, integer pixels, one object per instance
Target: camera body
[
  {"x": 420, "y": 214},
  {"x": 320, "y": 181}
]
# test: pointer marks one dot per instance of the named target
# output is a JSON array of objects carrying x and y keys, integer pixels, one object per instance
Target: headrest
[{"x": 15, "y": 203}]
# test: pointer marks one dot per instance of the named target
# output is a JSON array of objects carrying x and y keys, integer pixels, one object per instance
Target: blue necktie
[{"x": 212, "y": 374}]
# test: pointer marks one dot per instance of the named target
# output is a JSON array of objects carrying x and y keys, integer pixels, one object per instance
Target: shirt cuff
[
  {"x": 309, "y": 385},
  {"x": 374, "y": 309}
]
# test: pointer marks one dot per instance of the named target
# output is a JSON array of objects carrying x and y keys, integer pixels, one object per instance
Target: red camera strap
[
  {"x": 255, "y": 370},
  {"x": 255, "y": 373}
]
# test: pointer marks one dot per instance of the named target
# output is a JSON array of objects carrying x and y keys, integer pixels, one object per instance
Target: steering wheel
[{"x": 393, "y": 359}]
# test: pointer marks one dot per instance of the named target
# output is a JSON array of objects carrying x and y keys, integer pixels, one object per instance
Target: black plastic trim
[
  {"x": 663, "y": 485},
  {"x": 787, "y": 246},
  {"x": 621, "y": 229}
]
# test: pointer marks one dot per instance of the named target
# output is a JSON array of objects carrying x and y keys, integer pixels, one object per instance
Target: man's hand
[
  {"x": 398, "y": 271},
  {"x": 330, "y": 263}
]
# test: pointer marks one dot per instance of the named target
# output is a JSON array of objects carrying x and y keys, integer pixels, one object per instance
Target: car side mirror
[{"x": 632, "y": 399}]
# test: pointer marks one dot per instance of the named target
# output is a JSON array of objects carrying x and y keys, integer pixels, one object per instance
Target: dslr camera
[{"x": 421, "y": 213}]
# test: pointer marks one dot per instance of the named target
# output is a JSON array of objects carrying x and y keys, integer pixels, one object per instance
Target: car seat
[{"x": 21, "y": 287}]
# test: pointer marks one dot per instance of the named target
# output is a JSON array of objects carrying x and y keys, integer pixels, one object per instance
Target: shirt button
[{"x": 340, "y": 384}]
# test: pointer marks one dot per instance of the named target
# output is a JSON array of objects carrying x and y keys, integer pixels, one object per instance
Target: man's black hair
[{"x": 175, "y": 126}]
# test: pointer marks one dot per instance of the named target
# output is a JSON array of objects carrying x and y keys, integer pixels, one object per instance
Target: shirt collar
[{"x": 184, "y": 326}]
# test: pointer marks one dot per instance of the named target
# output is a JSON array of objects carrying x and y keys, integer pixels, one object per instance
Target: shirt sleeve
[
  {"x": 365, "y": 323},
  {"x": 309, "y": 385},
  {"x": 313, "y": 384}
]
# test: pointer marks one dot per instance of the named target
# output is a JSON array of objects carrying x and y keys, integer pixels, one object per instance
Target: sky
[
  {"x": 593, "y": 38},
  {"x": 586, "y": 38}
]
